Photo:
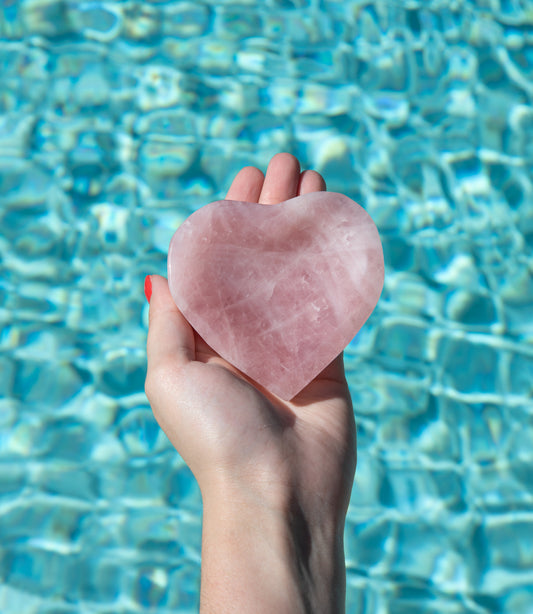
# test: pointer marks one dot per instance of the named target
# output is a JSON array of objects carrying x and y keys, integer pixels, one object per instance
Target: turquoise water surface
[{"x": 117, "y": 120}]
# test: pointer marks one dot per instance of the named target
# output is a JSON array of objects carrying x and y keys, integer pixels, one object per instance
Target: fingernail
[{"x": 148, "y": 287}]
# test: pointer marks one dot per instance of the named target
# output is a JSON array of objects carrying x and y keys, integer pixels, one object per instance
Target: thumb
[{"x": 170, "y": 336}]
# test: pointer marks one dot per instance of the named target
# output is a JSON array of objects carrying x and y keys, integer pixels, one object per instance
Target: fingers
[
  {"x": 247, "y": 185},
  {"x": 281, "y": 180},
  {"x": 170, "y": 337},
  {"x": 311, "y": 181}
]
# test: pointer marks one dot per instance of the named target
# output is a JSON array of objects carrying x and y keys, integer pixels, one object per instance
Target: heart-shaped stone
[{"x": 277, "y": 290}]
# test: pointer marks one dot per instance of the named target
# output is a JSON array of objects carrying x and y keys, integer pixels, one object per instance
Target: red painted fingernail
[{"x": 148, "y": 287}]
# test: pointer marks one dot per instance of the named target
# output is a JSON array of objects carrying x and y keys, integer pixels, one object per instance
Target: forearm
[{"x": 263, "y": 560}]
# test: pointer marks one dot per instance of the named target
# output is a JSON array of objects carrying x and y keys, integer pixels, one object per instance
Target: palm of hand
[{"x": 222, "y": 425}]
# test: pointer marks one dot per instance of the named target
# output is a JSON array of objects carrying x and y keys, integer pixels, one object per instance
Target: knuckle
[{"x": 153, "y": 382}]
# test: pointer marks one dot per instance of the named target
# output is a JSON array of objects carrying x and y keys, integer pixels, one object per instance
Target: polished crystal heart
[{"x": 277, "y": 290}]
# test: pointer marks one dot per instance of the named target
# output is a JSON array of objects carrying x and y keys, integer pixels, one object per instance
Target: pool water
[{"x": 117, "y": 120}]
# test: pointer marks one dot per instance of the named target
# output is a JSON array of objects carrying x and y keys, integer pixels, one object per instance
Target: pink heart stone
[{"x": 277, "y": 290}]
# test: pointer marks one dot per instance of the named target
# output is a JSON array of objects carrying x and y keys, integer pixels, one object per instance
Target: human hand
[{"x": 261, "y": 463}]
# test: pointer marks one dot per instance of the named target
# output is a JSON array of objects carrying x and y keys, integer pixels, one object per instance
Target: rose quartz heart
[{"x": 277, "y": 290}]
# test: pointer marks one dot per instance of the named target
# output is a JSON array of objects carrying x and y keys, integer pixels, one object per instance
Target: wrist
[{"x": 293, "y": 560}]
